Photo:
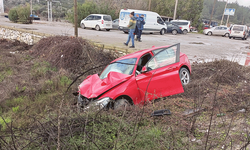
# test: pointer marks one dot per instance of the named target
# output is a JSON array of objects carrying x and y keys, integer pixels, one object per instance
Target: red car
[{"x": 136, "y": 78}]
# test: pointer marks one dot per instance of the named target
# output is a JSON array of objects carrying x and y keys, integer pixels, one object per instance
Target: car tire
[
  {"x": 185, "y": 31},
  {"x": 97, "y": 27},
  {"x": 125, "y": 32},
  {"x": 209, "y": 33},
  {"x": 230, "y": 37},
  {"x": 82, "y": 25},
  {"x": 174, "y": 32},
  {"x": 121, "y": 104},
  {"x": 107, "y": 29},
  {"x": 162, "y": 32},
  {"x": 184, "y": 76},
  {"x": 226, "y": 35}
]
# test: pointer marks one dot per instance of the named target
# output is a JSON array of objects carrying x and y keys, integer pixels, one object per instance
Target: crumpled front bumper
[{"x": 96, "y": 104}]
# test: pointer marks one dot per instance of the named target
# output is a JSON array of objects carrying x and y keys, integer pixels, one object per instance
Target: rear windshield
[
  {"x": 180, "y": 23},
  {"x": 107, "y": 18},
  {"x": 238, "y": 28}
]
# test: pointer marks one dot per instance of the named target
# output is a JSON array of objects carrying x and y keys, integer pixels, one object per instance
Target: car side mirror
[{"x": 144, "y": 69}]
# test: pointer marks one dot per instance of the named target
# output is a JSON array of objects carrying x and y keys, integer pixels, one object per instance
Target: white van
[
  {"x": 238, "y": 31},
  {"x": 97, "y": 21},
  {"x": 184, "y": 24},
  {"x": 153, "y": 21}
]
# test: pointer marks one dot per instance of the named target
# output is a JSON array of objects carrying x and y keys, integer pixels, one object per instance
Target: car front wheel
[
  {"x": 121, "y": 104},
  {"x": 162, "y": 32},
  {"x": 209, "y": 33},
  {"x": 107, "y": 29},
  {"x": 184, "y": 76},
  {"x": 82, "y": 25},
  {"x": 174, "y": 32}
]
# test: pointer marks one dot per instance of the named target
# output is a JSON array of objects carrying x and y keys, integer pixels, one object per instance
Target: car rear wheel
[
  {"x": 125, "y": 32},
  {"x": 174, "y": 32},
  {"x": 209, "y": 33},
  {"x": 121, "y": 104},
  {"x": 185, "y": 31},
  {"x": 97, "y": 27},
  {"x": 226, "y": 35},
  {"x": 162, "y": 32},
  {"x": 184, "y": 76},
  {"x": 107, "y": 29},
  {"x": 82, "y": 25}
]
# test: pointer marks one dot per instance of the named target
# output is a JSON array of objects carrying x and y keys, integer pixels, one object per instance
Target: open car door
[{"x": 161, "y": 77}]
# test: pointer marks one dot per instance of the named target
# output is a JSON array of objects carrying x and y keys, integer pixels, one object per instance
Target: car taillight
[
  {"x": 102, "y": 22},
  {"x": 180, "y": 27},
  {"x": 244, "y": 33},
  {"x": 189, "y": 25}
]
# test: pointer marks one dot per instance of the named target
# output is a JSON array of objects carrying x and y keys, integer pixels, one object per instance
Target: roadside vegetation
[
  {"x": 20, "y": 14},
  {"x": 37, "y": 111}
]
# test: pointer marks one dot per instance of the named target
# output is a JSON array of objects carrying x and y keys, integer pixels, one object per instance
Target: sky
[{"x": 241, "y": 2}]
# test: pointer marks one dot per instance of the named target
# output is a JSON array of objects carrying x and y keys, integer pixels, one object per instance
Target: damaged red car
[{"x": 136, "y": 78}]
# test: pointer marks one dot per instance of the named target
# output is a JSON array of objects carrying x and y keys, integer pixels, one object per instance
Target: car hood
[{"x": 93, "y": 86}]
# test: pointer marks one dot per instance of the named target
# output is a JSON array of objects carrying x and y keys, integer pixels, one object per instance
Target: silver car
[{"x": 218, "y": 30}]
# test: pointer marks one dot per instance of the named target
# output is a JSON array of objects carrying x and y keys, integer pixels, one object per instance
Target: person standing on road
[
  {"x": 139, "y": 25},
  {"x": 131, "y": 26}
]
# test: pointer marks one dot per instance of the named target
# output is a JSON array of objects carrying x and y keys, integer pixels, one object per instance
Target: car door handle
[{"x": 170, "y": 69}]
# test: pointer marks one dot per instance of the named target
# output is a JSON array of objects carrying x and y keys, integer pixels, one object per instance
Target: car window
[
  {"x": 125, "y": 66},
  {"x": 143, "y": 61},
  {"x": 90, "y": 17},
  {"x": 107, "y": 18},
  {"x": 160, "y": 21},
  {"x": 238, "y": 28},
  {"x": 164, "y": 57},
  {"x": 98, "y": 17}
]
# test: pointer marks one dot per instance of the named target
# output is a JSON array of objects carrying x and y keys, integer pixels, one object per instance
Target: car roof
[
  {"x": 138, "y": 54},
  {"x": 100, "y": 14}
]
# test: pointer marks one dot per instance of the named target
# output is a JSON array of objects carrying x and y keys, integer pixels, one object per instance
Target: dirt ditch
[{"x": 220, "y": 89}]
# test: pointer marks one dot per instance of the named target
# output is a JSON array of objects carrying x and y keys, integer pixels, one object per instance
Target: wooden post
[
  {"x": 175, "y": 9},
  {"x": 75, "y": 18},
  {"x": 223, "y": 14},
  {"x": 212, "y": 14},
  {"x": 149, "y": 5}
]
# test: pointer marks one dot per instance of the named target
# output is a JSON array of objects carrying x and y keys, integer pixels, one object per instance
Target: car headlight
[{"x": 99, "y": 104}]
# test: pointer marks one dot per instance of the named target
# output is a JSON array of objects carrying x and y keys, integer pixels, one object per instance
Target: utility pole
[
  {"x": 49, "y": 3},
  {"x": 31, "y": 8},
  {"x": 75, "y": 18},
  {"x": 175, "y": 8},
  {"x": 212, "y": 14},
  {"x": 223, "y": 13},
  {"x": 1, "y": 7},
  {"x": 149, "y": 5}
]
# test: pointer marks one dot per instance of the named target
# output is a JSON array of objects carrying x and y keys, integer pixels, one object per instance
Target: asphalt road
[{"x": 198, "y": 47}]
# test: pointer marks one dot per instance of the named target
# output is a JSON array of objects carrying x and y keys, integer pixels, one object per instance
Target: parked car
[
  {"x": 173, "y": 28},
  {"x": 239, "y": 31},
  {"x": 115, "y": 23},
  {"x": 153, "y": 21},
  {"x": 136, "y": 78},
  {"x": 184, "y": 24},
  {"x": 97, "y": 21},
  {"x": 219, "y": 30},
  {"x": 206, "y": 26}
]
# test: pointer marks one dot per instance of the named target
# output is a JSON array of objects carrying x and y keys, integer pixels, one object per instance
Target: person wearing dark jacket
[
  {"x": 131, "y": 26},
  {"x": 139, "y": 26}
]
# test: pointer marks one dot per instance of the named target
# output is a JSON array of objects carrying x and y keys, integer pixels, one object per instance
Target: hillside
[{"x": 36, "y": 112}]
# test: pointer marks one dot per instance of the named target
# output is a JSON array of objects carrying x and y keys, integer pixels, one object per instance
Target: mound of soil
[{"x": 73, "y": 54}]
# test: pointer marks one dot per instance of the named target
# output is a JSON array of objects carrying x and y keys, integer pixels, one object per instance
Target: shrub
[
  {"x": 24, "y": 14},
  {"x": 13, "y": 15},
  {"x": 20, "y": 14}
]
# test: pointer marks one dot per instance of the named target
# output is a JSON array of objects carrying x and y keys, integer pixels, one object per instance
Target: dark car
[{"x": 173, "y": 28}]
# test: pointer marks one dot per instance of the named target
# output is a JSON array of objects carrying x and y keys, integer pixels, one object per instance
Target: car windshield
[
  {"x": 125, "y": 66},
  {"x": 107, "y": 18}
]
